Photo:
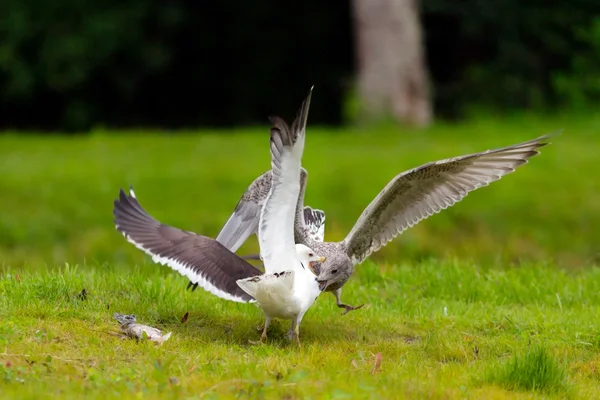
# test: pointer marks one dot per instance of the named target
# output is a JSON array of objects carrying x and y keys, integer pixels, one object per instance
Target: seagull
[
  {"x": 236, "y": 231},
  {"x": 407, "y": 199},
  {"x": 288, "y": 288},
  {"x": 289, "y": 285}
]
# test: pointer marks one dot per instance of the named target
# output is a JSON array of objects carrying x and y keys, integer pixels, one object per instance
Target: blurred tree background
[{"x": 70, "y": 66}]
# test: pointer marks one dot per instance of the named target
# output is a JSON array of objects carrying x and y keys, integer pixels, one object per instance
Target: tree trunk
[{"x": 392, "y": 75}]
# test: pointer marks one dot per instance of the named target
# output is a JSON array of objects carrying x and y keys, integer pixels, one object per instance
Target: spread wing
[
  {"x": 243, "y": 222},
  {"x": 310, "y": 220},
  {"x": 277, "y": 219},
  {"x": 200, "y": 258},
  {"x": 309, "y": 226},
  {"x": 421, "y": 192}
]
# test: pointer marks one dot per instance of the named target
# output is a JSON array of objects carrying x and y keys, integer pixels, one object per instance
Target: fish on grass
[{"x": 137, "y": 331}]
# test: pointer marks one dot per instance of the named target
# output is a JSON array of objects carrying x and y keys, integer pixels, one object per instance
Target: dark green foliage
[
  {"x": 68, "y": 65},
  {"x": 511, "y": 54},
  {"x": 71, "y": 65}
]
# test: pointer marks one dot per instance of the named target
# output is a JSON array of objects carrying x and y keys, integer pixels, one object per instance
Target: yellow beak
[{"x": 310, "y": 264}]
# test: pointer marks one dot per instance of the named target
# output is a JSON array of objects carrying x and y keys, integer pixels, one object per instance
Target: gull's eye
[
  {"x": 311, "y": 255},
  {"x": 335, "y": 271}
]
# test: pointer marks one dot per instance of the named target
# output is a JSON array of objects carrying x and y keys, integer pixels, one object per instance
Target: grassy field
[
  {"x": 496, "y": 297},
  {"x": 443, "y": 330}
]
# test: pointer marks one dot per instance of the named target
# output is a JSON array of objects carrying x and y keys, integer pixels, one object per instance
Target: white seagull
[{"x": 288, "y": 287}]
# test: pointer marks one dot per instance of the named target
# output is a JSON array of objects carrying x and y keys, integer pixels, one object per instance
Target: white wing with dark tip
[
  {"x": 426, "y": 190},
  {"x": 199, "y": 258},
  {"x": 278, "y": 215}
]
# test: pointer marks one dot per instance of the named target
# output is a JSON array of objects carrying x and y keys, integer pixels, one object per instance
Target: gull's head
[
  {"x": 335, "y": 272},
  {"x": 307, "y": 256},
  {"x": 125, "y": 319}
]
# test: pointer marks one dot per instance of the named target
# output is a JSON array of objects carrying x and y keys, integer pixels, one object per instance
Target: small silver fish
[{"x": 134, "y": 330}]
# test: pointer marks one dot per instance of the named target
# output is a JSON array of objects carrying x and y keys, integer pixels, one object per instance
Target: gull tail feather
[{"x": 263, "y": 286}]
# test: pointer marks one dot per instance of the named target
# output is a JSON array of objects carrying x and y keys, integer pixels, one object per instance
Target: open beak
[
  {"x": 312, "y": 267},
  {"x": 322, "y": 285}
]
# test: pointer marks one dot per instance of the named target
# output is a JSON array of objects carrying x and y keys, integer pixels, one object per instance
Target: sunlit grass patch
[
  {"x": 450, "y": 303},
  {"x": 59, "y": 192},
  {"x": 436, "y": 330},
  {"x": 537, "y": 369}
]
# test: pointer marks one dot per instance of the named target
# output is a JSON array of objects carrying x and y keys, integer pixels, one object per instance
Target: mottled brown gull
[{"x": 407, "y": 199}]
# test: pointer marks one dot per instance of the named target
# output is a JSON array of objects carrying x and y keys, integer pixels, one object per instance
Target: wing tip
[
  {"x": 279, "y": 127},
  {"x": 544, "y": 140},
  {"x": 299, "y": 124},
  {"x": 123, "y": 197}
]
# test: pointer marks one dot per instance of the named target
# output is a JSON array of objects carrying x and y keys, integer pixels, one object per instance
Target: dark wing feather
[
  {"x": 200, "y": 258},
  {"x": 278, "y": 215}
]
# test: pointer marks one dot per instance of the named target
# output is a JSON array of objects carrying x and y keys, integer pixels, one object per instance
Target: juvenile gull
[
  {"x": 406, "y": 200},
  {"x": 288, "y": 287}
]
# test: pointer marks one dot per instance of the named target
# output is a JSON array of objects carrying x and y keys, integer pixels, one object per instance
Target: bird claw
[{"x": 349, "y": 308}]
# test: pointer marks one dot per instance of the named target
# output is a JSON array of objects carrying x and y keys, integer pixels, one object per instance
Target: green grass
[
  {"x": 536, "y": 370},
  {"x": 496, "y": 297},
  {"x": 440, "y": 328},
  {"x": 57, "y": 192}
]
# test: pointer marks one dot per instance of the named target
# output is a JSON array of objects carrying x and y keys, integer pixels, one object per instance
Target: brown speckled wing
[{"x": 421, "y": 192}]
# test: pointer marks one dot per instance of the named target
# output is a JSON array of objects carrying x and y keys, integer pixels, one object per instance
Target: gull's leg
[
  {"x": 297, "y": 327},
  {"x": 292, "y": 332},
  {"x": 348, "y": 308},
  {"x": 264, "y": 333}
]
